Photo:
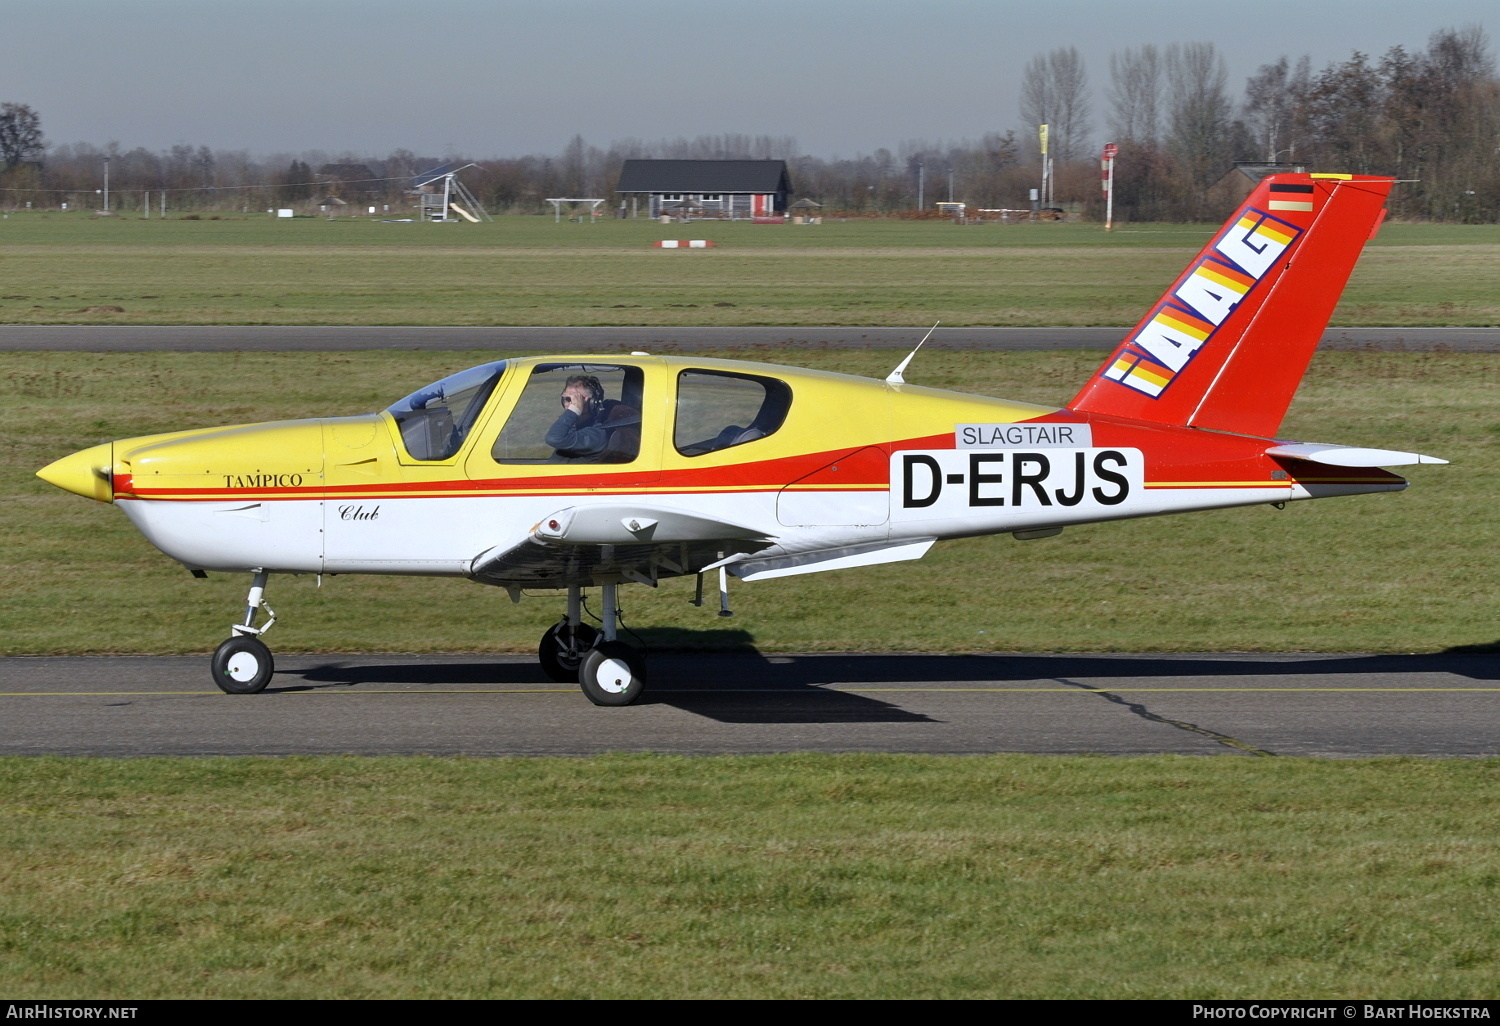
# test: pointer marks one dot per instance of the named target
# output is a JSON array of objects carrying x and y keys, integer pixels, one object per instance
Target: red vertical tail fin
[{"x": 1227, "y": 345}]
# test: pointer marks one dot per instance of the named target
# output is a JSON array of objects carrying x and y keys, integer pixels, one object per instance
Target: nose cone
[{"x": 86, "y": 472}]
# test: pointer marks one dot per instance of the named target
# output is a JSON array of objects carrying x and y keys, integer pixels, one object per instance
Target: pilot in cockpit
[{"x": 591, "y": 428}]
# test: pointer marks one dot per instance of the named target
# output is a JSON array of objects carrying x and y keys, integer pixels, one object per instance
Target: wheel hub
[
  {"x": 613, "y": 675},
  {"x": 243, "y": 666}
]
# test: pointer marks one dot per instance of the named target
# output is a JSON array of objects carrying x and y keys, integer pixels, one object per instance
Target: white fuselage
[{"x": 934, "y": 494}]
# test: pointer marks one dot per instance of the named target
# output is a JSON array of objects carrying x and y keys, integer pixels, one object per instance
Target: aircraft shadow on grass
[{"x": 721, "y": 675}]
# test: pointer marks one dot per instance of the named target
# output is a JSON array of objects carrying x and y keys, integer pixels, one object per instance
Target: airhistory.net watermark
[{"x": 67, "y": 1010}]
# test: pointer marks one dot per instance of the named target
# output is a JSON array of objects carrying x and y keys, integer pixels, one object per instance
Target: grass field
[
  {"x": 67, "y": 268},
  {"x": 774, "y": 877},
  {"x": 1407, "y": 572}
]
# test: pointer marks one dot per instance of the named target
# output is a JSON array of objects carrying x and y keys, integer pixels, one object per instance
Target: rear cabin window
[
  {"x": 541, "y": 430},
  {"x": 718, "y": 410}
]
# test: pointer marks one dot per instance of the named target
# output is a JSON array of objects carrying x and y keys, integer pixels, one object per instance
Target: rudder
[{"x": 1227, "y": 345}]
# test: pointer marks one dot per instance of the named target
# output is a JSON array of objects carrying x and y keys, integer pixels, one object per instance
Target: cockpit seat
[
  {"x": 624, "y": 442},
  {"x": 736, "y": 435}
]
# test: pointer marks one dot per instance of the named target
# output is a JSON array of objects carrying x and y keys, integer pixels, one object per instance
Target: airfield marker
[{"x": 1108, "y": 163}]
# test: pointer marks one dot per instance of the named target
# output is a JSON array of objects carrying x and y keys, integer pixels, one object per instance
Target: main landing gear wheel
[
  {"x": 563, "y": 648},
  {"x": 243, "y": 665},
  {"x": 612, "y": 674}
]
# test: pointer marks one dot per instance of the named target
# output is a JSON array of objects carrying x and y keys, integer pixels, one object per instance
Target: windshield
[{"x": 435, "y": 420}]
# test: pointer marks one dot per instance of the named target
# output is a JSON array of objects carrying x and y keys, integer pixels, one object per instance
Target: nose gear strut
[{"x": 243, "y": 665}]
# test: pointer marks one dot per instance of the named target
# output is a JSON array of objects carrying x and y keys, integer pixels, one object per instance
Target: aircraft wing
[{"x": 636, "y": 542}]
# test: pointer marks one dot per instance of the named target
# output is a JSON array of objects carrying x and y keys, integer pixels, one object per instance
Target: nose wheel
[{"x": 243, "y": 665}]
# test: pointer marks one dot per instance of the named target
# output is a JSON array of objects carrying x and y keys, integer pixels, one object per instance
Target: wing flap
[{"x": 841, "y": 558}]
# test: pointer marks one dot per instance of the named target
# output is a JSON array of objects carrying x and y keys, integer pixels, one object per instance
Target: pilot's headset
[{"x": 596, "y": 390}]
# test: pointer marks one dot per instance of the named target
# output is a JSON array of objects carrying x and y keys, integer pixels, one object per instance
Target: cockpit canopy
[
  {"x": 435, "y": 420},
  {"x": 712, "y": 409}
]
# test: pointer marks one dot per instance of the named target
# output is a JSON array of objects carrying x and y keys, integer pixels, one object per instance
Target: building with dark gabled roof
[
  {"x": 709, "y": 188},
  {"x": 1240, "y": 181}
]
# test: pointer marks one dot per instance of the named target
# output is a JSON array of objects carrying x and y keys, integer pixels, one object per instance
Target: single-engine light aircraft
[{"x": 597, "y": 471}]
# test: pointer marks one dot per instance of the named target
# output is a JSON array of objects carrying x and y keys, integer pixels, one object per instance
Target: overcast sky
[{"x": 495, "y": 78}]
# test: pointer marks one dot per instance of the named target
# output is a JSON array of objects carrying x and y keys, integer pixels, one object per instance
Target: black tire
[
  {"x": 612, "y": 673},
  {"x": 561, "y": 660},
  {"x": 243, "y": 666}
]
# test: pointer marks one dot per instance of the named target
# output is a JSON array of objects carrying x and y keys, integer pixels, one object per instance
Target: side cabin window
[
  {"x": 717, "y": 410},
  {"x": 575, "y": 413},
  {"x": 435, "y": 420}
]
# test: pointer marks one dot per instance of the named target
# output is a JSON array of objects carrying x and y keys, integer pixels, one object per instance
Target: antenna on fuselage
[{"x": 896, "y": 377}]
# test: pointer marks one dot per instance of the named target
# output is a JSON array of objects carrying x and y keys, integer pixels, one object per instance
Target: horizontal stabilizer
[
  {"x": 841, "y": 558},
  {"x": 1349, "y": 455}
]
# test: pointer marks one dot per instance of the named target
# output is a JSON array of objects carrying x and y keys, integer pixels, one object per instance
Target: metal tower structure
[{"x": 445, "y": 198}]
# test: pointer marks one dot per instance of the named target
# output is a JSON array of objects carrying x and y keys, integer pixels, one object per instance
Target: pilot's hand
[{"x": 576, "y": 402}]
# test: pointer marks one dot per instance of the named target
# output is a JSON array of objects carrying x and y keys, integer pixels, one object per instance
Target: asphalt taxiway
[{"x": 1241, "y": 705}]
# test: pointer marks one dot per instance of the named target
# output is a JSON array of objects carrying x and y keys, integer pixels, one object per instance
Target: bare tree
[
  {"x": 1272, "y": 97},
  {"x": 1461, "y": 56},
  {"x": 1462, "y": 126},
  {"x": 20, "y": 134},
  {"x": 1055, "y": 92},
  {"x": 1344, "y": 110},
  {"x": 1200, "y": 111},
  {"x": 1135, "y": 94},
  {"x": 575, "y": 167},
  {"x": 203, "y": 166}
]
